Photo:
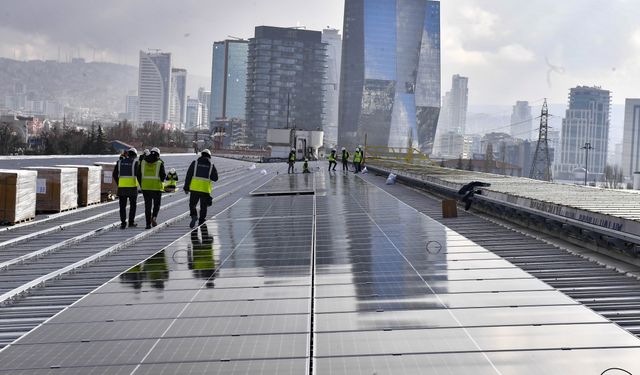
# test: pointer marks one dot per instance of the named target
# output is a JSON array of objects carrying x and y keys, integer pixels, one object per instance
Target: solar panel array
[{"x": 346, "y": 281}]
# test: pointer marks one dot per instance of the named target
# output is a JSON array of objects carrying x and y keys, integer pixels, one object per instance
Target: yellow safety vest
[
  {"x": 332, "y": 157},
  {"x": 171, "y": 180},
  {"x": 292, "y": 157},
  {"x": 151, "y": 176},
  {"x": 127, "y": 173},
  {"x": 357, "y": 157},
  {"x": 200, "y": 182}
]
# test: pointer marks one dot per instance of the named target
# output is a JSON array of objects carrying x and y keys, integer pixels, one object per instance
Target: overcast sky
[{"x": 510, "y": 49}]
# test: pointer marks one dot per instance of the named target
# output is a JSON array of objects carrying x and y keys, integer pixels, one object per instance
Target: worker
[
  {"x": 172, "y": 181},
  {"x": 123, "y": 155},
  {"x": 305, "y": 166},
  {"x": 357, "y": 159},
  {"x": 198, "y": 182},
  {"x": 345, "y": 160},
  {"x": 469, "y": 190},
  {"x": 151, "y": 175},
  {"x": 291, "y": 160},
  {"x": 144, "y": 154},
  {"x": 124, "y": 174},
  {"x": 332, "y": 159}
]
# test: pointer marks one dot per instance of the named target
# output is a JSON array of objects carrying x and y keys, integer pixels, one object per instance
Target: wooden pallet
[{"x": 18, "y": 222}]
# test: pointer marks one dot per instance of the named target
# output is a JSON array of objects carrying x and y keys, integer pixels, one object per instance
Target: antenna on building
[
  {"x": 541, "y": 168},
  {"x": 235, "y": 37}
]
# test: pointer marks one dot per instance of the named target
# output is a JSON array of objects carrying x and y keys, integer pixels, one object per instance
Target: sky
[{"x": 510, "y": 49}]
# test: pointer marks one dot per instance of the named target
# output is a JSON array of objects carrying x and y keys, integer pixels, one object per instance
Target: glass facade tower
[
  {"x": 154, "y": 84},
  {"x": 390, "y": 78},
  {"x": 228, "y": 80}
]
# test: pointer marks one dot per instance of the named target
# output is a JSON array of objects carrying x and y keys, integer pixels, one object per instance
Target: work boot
[
  {"x": 153, "y": 222},
  {"x": 147, "y": 227},
  {"x": 123, "y": 225},
  {"x": 194, "y": 219},
  {"x": 132, "y": 225}
]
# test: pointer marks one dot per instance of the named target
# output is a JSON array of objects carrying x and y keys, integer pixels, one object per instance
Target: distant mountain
[{"x": 96, "y": 85}]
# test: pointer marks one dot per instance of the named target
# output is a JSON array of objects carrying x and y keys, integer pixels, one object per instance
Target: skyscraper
[
  {"x": 522, "y": 121},
  {"x": 154, "y": 84},
  {"x": 586, "y": 121},
  {"x": 204, "y": 97},
  {"x": 631, "y": 138},
  {"x": 178, "y": 100},
  {"x": 390, "y": 82},
  {"x": 285, "y": 76},
  {"x": 458, "y": 103},
  {"x": 228, "y": 80},
  {"x": 331, "y": 86},
  {"x": 131, "y": 108},
  {"x": 194, "y": 113}
]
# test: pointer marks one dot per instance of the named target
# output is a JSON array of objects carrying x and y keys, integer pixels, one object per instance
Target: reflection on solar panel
[{"x": 388, "y": 291}]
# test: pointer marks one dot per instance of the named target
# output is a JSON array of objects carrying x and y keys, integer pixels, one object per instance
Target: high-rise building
[
  {"x": 331, "y": 86},
  {"x": 586, "y": 121},
  {"x": 458, "y": 103},
  {"x": 131, "y": 108},
  {"x": 178, "y": 101},
  {"x": 228, "y": 80},
  {"x": 194, "y": 113},
  {"x": 522, "y": 121},
  {"x": 631, "y": 137},
  {"x": 204, "y": 97},
  {"x": 390, "y": 78},
  {"x": 154, "y": 85},
  {"x": 285, "y": 77}
]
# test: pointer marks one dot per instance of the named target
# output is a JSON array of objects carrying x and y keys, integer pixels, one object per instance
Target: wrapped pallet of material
[
  {"x": 17, "y": 195},
  {"x": 108, "y": 187},
  {"x": 89, "y": 183},
  {"x": 56, "y": 189}
]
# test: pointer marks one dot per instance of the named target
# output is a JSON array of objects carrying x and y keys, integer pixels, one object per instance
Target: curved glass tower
[{"x": 390, "y": 79}]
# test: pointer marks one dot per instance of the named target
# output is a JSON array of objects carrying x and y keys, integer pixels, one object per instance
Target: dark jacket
[
  {"x": 125, "y": 191},
  {"x": 202, "y": 160},
  {"x": 151, "y": 158},
  {"x": 345, "y": 156}
]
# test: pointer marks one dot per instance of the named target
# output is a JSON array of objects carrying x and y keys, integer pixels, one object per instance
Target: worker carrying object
[
  {"x": 144, "y": 154},
  {"x": 469, "y": 190},
  {"x": 345, "y": 160},
  {"x": 332, "y": 160},
  {"x": 171, "y": 182},
  {"x": 198, "y": 182},
  {"x": 305, "y": 166},
  {"x": 357, "y": 160},
  {"x": 124, "y": 174},
  {"x": 151, "y": 175},
  {"x": 291, "y": 160}
]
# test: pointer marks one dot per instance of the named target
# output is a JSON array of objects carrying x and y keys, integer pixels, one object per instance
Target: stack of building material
[
  {"x": 89, "y": 183},
  {"x": 108, "y": 186},
  {"x": 56, "y": 189},
  {"x": 17, "y": 195}
]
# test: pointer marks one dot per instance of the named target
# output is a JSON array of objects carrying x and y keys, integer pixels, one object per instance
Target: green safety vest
[
  {"x": 127, "y": 173},
  {"x": 332, "y": 157},
  {"x": 151, "y": 176},
  {"x": 357, "y": 157},
  {"x": 292, "y": 157},
  {"x": 201, "y": 180},
  {"x": 171, "y": 180}
]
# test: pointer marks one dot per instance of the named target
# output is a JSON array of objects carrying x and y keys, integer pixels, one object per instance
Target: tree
[
  {"x": 488, "y": 159},
  {"x": 101, "y": 144},
  {"x": 10, "y": 139}
]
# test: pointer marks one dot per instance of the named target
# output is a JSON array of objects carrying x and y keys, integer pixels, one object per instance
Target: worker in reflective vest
[
  {"x": 357, "y": 159},
  {"x": 332, "y": 159},
  {"x": 198, "y": 182},
  {"x": 124, "y": 174},
  {"x": 345, "y": 160},
  {"x": 291, "y": 160},
  {"x": 152, "y": 175},
  {"x": 172, "y": 181}
]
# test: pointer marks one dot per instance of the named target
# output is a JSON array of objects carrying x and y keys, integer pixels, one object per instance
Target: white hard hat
[
  {"x": 343, "y": 149},
  {"x": 156, "y": 150},
  {"x": 206, "y": 151},
  {"x": 133, "y": 149},
  {"x": 293, "y": 149},
  {"x": 146, "y": 151},
  {"x": 359, "y": 146},
  {"x": 172, "y": 170},
  {"x": 333, "y": 150}
]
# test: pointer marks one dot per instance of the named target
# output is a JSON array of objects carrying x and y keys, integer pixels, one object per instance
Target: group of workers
[
  {"x": 147, "y": 174},
  {"x": 358, "y": 160}
]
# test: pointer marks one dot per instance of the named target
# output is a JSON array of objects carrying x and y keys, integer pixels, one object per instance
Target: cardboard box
[
  {"x": 17, "y": 195},
  {"x": 56, "y": 189},
  {"x": 89, "y": 183},
  {"x": 108, "y": 186},
  {"x": 449, "y": 208}
]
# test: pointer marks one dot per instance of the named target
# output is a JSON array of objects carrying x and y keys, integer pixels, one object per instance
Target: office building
[
  {"x": 194, "y": 113},
  {"x": 333, "y": 39},
  {"x": 457, "y": 104},
  {"x": 631, "y": 137},
  {"x": 228, "y": 80},
  {"x": 285, "y": 77},
  {"x": 204, "y": 97},
  {"x": 178, "y": 98},
  {"x": 390, "y": 77},
  {"x": 522, "y": 121},
  {"x": 154, "y": 85},
  {"x": 131, "y": 108},
  {"x": 586, "y": 121}
]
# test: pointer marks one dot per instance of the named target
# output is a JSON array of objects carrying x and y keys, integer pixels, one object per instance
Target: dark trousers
[
  {"x": 357, "y": 166},
  {"x": 345, "y": 165},
  {"x": 132, "y": 208},
  {"x": 334, "y": 165},
  {"x": 152, "y": 200},
  {"x": 202, "y": 198},
  {"x": 290, "y": 170}
]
